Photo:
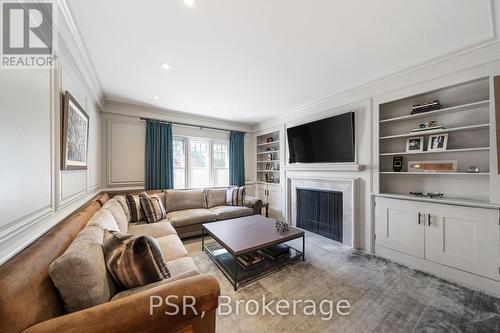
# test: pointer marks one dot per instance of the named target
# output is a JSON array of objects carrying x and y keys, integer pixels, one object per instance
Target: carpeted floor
[{"x": 383, "y": 296}]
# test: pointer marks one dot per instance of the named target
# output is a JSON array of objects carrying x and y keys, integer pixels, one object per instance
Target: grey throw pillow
[
  {"x": 134, "y": 261},
  {"x": 153, "y": 208},
  {"x": 235, "y": 196}
]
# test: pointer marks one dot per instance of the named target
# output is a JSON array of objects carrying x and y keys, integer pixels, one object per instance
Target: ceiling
[{"x": 251, "y": 60}]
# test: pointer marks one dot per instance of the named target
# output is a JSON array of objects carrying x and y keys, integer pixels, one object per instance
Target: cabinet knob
[
  {"x": 429, "y": 219},
  {"x": 419, "y": 216}
]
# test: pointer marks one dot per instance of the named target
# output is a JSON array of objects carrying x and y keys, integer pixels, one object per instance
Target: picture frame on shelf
[
  {"x": 415, "y": 144},
  {"x": 437, "y": 142}
]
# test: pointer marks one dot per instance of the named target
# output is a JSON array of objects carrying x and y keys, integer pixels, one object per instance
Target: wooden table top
[{"x": 250, "y": 233}]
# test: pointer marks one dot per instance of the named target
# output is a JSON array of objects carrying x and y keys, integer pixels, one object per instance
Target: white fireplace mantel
[{"x": 349, "y": 189}]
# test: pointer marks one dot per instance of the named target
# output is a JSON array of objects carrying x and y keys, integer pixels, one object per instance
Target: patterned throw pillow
[
  {"x": 134, "y": 261},
  {"x": 153, "y": 208},
  {"x": 134, "y": 204},
  {"x": 235, "y": 196}
]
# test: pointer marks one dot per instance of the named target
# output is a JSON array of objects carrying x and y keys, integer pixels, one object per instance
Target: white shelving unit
[
  {"x": 465, "y": 117},
  {"x": 268, "y": 158}
]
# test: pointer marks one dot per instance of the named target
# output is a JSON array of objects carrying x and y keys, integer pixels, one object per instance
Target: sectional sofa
[{"x": 33, "y": 300}]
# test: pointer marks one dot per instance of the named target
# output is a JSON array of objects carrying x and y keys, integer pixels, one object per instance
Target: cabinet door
[
  {"x": 261, "y": 192},
  {"x": 464, "y": 238},
  {"x": 398, "y": 227},
  {"x": 274, "y": 197}
]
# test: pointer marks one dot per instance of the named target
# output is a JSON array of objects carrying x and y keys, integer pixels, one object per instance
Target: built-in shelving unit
[
  {"x": 465, "y": 118},
  {"x": 268, "y": 158}
]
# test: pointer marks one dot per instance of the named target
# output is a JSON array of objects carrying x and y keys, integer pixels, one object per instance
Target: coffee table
[{"x": 236, "y": 237}]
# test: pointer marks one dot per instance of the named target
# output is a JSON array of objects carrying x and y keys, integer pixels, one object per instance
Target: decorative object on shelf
[
  {"x": 269, "y": 157},
  {"x": 426, "y": 107},
  {"x": 397, "y": 163},
  {"x": 75, "y": 135},
  {"x": 431, "y": 125},
  {"x": 269, "y": 139},
  {"x": 432, "y": 195},
  {"x": 268, "y": 166},
  {"x": 282, "y": 227},
  {"x": 415, "y": 144},
  {"x": 473, "y": 169},
  {"x": 438, "y": 142},
  {"x": 267, "y": 177},
  {"x": 271, "y": 179},
  {"x": 432, "y": 166}
]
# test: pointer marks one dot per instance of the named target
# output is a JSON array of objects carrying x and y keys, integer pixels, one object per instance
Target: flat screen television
[{"x": 329, "y": 140}]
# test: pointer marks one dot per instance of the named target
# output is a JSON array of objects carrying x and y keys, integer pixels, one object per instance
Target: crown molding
[{"x": 74, "y": 44}]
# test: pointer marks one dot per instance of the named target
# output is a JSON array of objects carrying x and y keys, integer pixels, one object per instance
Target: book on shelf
[
  {"x": 277, "y": 250},
  {"x": 426, "y": 129}
]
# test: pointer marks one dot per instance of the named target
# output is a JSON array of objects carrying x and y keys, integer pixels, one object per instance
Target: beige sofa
[
  {"x": 31, "y": 302},
  {"x": 187, "y": 210}
]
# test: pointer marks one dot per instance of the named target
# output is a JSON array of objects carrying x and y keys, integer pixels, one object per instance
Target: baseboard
[{"x": 466, "y": 279}]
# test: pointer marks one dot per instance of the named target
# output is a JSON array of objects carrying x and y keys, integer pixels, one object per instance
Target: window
[
  {"x": 200, "y": 162},
  {"x": 179, "y": 146}
]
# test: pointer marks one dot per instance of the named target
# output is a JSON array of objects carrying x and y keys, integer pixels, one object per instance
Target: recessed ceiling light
[
  {"x": 189, "y": 3},
  {"x": 155, "y": 97},
  {"x": 165, "y": 66}
]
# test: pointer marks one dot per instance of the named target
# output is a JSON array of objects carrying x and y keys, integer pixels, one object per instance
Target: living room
[{"x": 247, "y": 166}]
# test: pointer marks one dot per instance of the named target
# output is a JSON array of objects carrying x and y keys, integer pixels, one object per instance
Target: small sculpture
[{"x": 282, "y": 227}]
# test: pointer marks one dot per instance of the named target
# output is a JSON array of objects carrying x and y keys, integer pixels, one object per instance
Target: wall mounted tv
[{"x": 329, "y": 140}]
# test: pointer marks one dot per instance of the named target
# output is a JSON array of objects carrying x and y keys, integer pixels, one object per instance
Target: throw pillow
[
  {"x": 235, "y": 196},
  {"x": 114, "y": 207},
  {"x": 80, "y": 274},
  {"x": 123, "y": 202},
  {"x": 134, "y": 261},
  {"x": 134, "y": 204},
  {"x": 153, "y": 208}
]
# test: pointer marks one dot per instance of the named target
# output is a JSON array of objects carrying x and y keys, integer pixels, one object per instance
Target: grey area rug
[{"x": 383, "y": 296}]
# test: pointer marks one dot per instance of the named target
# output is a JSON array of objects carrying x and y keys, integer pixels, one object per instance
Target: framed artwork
[
  {"x": 438, "y": 142},
  {"x": 432, "y": 166},
  {"x": 75, "y": 135},
  {"x": 415, "y": 144}
]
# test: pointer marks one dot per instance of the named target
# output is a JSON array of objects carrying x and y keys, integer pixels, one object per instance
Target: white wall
[
  {"x": 124, "y": 135},
  {"x": 35, "y": 193},
  {"x": 478, "y": 62}
]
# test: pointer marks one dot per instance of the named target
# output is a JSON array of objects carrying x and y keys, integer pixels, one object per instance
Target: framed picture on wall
[
  {"x": 75, "y": 135},
  {"x": 415, "y": 144}
]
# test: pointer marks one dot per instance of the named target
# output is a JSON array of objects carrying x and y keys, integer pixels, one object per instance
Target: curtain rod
[{"x": 191, "y": 125}]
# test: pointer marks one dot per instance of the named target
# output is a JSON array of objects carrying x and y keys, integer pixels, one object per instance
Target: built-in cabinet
[
  {"x": 269, "y": 150},
  {"x": 464, "y": 238}
]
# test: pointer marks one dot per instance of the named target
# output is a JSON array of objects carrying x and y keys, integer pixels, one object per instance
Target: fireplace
[
  {"x": 325, "y": 206},
  {"x": 321, "y": 212}
]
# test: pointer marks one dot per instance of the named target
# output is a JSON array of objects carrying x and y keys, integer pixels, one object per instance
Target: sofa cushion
[
  {"x": 134, "y": 261},
  {"x": 155, "y": 230},
  {"x": 114, "y": 207},
  {"x": 191, "y": 216},
  {"x": 80, "y": 274},
  {"x": 181, "y": 266},
  {"x": 152, "y": 207},
  {"x": 134, "y": 204},
  {"x": 216, "y": 197},
  {"x": 155, "y": 284},
  {"x": 172, "y": 248},
  {"x": 123, "y": 202},
  {"x": 104, "y": 219},
  {"x": 231, "y": 212},
  {"x": 184, "y": 199}
]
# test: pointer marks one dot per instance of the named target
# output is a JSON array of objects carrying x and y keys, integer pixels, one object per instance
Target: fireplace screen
[{"x": 320, "y": 212}]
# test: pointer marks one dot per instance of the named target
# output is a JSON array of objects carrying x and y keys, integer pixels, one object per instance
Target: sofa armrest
[
  {"x": 133, "y": 313},
  {"x": 254, "y": 203}
]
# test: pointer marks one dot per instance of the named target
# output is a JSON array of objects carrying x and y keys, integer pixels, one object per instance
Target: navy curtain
[
  {"x": 236, "y": 159},
  {"x": 159, "y": 156}
]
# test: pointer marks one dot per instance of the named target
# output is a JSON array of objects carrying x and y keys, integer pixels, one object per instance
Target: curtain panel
[
  {"x": 237, "y": 159},
  {"x": 159, "y": 156}
]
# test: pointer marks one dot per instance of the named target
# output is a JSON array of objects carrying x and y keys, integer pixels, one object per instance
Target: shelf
[
  {"x": 445, "y": 201},
  {"x": 268, "y": 171},
  {"x": 267, "y": 143},
  {"x": 435, "y": 112},
  {"x": 435, "y": 173},
  {"x": 438, "y": 152},
  {"x": 268, "y": 161},
  {"x": 267, "y": 152},
  {"x": 448, "y": 130}
]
